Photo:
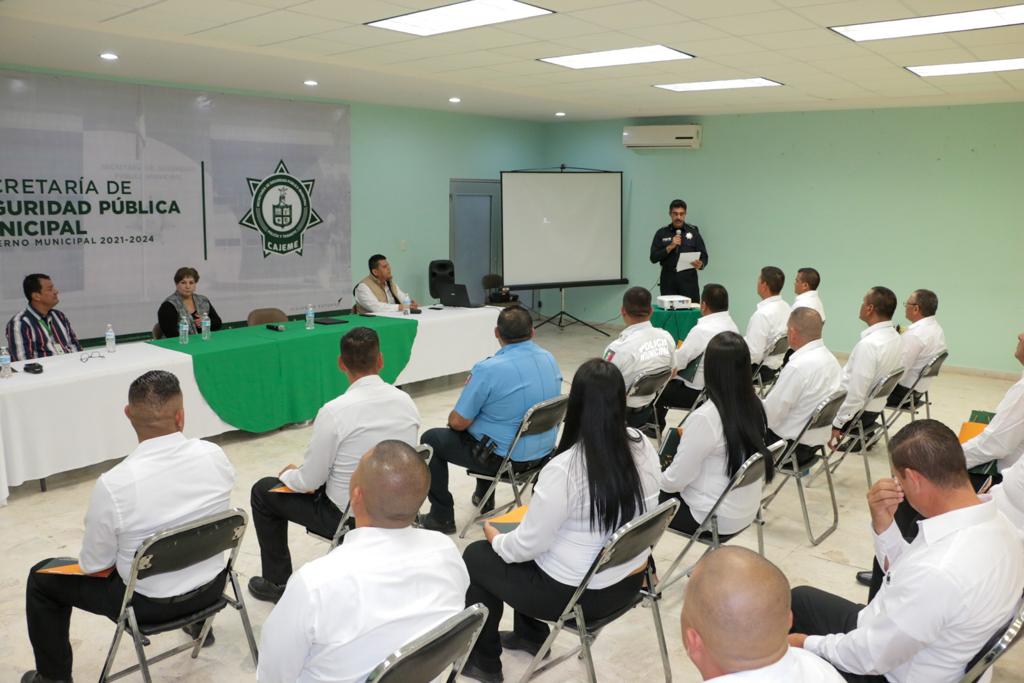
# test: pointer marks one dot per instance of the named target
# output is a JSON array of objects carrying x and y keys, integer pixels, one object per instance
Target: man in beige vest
[{"x": 378, "y": 293}]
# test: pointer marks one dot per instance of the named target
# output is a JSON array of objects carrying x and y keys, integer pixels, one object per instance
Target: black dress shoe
[
  {"x": 864, "y": 578},
  {"x": 510, "y": 640},
  {"x": 488, "y": 506},
  {"x": 431, "y": 523},
  {"x": 262, "y": 589},
  {"x": 34, "y": 676},
  {"x": 193, "y": 631},
  {"x": 475, "y": 673}
]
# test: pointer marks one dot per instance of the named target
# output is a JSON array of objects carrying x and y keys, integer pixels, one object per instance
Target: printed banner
[{"x": 109, "y": 188}]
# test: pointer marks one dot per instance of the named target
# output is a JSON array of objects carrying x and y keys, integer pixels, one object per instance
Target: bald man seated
[
  {"x": 735, "y": 622},
  {"x": 343, "y": 614}
]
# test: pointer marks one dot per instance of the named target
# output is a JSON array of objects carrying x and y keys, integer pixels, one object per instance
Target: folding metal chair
[
  {"x": 776, "y": 349},
  {"x": 539, "y": 419},
  {"x": 446, "y": 646},
  {"x": 347, "y": 523},
  {"x": 798, "y": 458},
  {"x": 173, "y": 550},
  {"x": 848, "y": 439},
  {"x": 630, "y": 540},
  {"x": 912, "y": 403},
  {"x": 996, "y": 646},
  {"x": 751, "y": 473},
  {"x": 649, "y": 384}
]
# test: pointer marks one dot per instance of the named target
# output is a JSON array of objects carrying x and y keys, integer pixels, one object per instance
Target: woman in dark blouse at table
[{"x": 186, "y": 302}]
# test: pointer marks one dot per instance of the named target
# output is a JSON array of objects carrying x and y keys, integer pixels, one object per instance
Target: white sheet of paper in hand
[{"x": 686, "y": 260}]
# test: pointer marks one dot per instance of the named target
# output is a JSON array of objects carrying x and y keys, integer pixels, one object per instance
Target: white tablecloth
[{"x": 72, "y": 415}]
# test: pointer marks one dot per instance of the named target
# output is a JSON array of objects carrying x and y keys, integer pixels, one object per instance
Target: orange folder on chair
[
  {"x": 969, "y": 430},
  {"x": 508, "y": 521},
  {"x": 68, "y": 566}
]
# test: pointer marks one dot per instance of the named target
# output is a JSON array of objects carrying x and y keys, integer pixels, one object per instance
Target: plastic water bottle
[
  {"x": 408, "y": 304},
  {"x": 5, "y": 363},
  {"x": 110, "y": 339},
  {"x": 310, "y": 317},
  {"x": 206, "y": 326},
  {"x": 183, "y": 326}
]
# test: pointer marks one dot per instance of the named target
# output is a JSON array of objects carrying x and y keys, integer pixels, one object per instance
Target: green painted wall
[
  {"x": 402, "y": 161},
  {"x": 906, "y": 198}
]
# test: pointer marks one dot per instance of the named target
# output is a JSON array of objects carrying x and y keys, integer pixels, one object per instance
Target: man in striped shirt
[{"x": 40, "y": 330}]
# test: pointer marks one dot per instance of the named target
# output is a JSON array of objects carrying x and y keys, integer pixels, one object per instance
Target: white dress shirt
[
  {"x": 810, "y": 299},
  {"x": 769, "y": 320},
  {"x": 697, "y": 340},
  {"x": 165, "y": 482},
  {"x": 367, "y": 301},
  {"x": 699, "y": 473},
  {"x": 1009, "y": 496},
  {"x": 343, "y": 614},
  {"x": 1003, "y": 438},
  {"x": 370, "y": 411},
  {"x": 810, "y": 376},
  {"x": 944, "y": 596},
  {"x": 556, "y": 531},
  {"x": 874, "y": 356},
  {"x": 640, "y": 348},
  {"x": 796, "y": 666},
  {"x": 921, "y": 342}
]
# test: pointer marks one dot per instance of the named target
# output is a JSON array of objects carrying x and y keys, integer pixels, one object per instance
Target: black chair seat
[
  {"x": 806, "y": 456},
  {"x": 181, "y": 622},
  {"x": 595, "y": 625}
]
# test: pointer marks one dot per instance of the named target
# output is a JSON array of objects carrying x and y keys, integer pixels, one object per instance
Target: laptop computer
[{"x": 455, "y": 296}]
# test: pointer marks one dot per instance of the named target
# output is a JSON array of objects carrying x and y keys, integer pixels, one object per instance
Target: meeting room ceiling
[{"x": 272, "y": 46}]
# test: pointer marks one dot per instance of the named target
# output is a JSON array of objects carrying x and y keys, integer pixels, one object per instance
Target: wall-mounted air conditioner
[{"x": 662, "y": 137}]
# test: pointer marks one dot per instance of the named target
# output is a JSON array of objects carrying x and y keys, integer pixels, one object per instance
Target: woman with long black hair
[
  {"x": 604, "y": 475},
  {"x": 717, "y": 439}
]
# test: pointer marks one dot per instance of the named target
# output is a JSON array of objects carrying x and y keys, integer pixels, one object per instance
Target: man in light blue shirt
[{"x": 499, "y": 392}]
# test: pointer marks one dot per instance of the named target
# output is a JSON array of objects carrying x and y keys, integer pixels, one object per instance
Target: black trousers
[
  {"x": 818, "y": 613},
  {"x": 456, "y": 448},
  {"x": 899, "y": 392},
  {"x": 271, "y": 513},
  {"x": 683, "y": 283},
  {"x": 676, "y": 395},
  {"x": 533, "y": 595},
  {"x": 49, "y": 599},
  {"x": 638, "y": 417}
]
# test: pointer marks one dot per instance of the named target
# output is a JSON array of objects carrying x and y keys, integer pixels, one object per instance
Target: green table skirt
[
  {"x": 677, "y": 323},
  {"x": 257, "y": 379}
]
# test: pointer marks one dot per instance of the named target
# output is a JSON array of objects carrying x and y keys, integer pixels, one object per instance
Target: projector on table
[{"x": 673, "y": 302}]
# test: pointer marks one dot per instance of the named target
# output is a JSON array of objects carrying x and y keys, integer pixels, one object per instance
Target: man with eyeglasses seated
[
  {"x": 921, "y": 342},
  {"x": 40, "y": 330},
  {"x": 167, "y": 481}
]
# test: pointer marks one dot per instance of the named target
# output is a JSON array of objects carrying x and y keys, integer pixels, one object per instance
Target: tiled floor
[{"x": 36, "y": 525}]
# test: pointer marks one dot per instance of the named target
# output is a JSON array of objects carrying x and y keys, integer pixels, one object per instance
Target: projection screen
[{"x": 561, "y": 229}]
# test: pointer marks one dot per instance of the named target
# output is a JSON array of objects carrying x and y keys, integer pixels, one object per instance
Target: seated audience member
[
  {"x": 1009, "y": 496},
  {"x": 186, "y": 302},
  {"x": 922, "y": 341},
  {"x": 390, "y": 583},
  {"x": 640, "y": 348},
  {"x": 805, "y": 286},
  {"x": 715, "y": 318},
  {"x": 1003, "y": 437},
  {"x": 605, "y": 474},
  {"x": 718, "y": 438},
  {"x": 945, "y": 594},
  {"x": 40, "y": 330},
  {"x": 735, "y": 619},
  {"x": 874, "y": 356},
  {"x": 378, "y": 292},
  {"x": 370, "y": 411},
  {"x": 768, "y": 320},
  {"x": 498, "y": 393},
  {"x": 810, "y": 376},
  {"x": 167, "y": 481}
]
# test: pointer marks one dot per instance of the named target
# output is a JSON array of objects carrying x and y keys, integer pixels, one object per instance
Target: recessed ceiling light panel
[
  {"x": 461, "y": 15},
  {"x": 719, "y": 85},
  {"x": 108, "y": 56},
  {"x": 629, "y": 55},
  {"x": 939, "y": 23},
  {"x": 968, "y": 67}
]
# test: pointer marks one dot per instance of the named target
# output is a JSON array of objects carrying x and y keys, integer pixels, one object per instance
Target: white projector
[{"x": 673, "y": 302}]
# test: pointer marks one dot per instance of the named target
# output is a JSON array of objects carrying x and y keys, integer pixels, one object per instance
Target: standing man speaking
[{"x": 675, "y": 239}]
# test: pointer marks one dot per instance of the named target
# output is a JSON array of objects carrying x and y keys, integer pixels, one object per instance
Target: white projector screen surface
[{"x": 561, "y": 229}]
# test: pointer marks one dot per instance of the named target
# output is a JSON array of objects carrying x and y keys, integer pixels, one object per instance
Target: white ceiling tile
[
  {"x": 805, "y": 3},
  {"x": 845, "y": 50},
  {"x": 306, "y": 47},
  {"x": 854, "y": 12},
  {"x": 721, "y": 46},
  {"x": 990, "y": 36},
  {"x": 270, "y": 4},
  {"x": 219, "y": 12},
  {"x": 704, "y": 9},
  {"x": 813, "y": 37},
  {"x": 897, "y": 46},
  {"x": 163, "y": 23},
  {"x": 62, "y": 10},
  {"x": 456, "y": 62},
  {"x": 523, "y": 67},
  {"x": 571, "y": 5},
  {"x": 760, "y": 23},
  {"x": 268, "y": 29},
  {"x": 600, "y": 41},
  {"x": 356, "y": 12},
  {"x": 952, "y": 56},
  {"x": 985, "y": 52},
  {"x": 552, "y": 27},
  {"x": 364, "y": 36},
  {"x": 929, "y": 7},
  {"x": 979, "y": 83},
  {"x": 630, "y": 15},
  {"x": 677, "y": 35},
  {"x": 536, "y": 50}
]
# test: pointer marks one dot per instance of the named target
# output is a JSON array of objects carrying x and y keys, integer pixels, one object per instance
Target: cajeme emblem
[{"x": 281, "y": 211}]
